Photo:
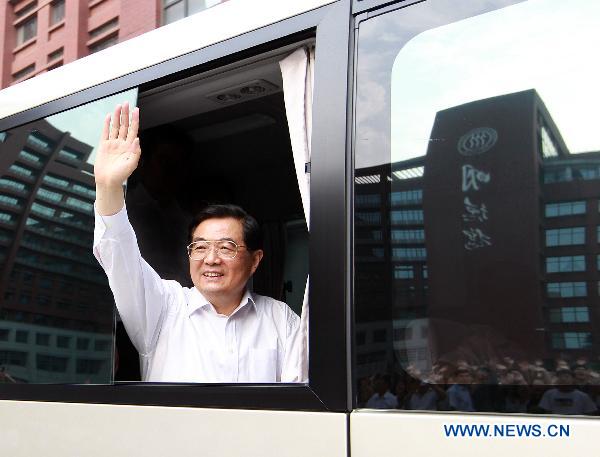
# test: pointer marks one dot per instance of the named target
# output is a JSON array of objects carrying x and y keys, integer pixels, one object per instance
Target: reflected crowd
[{"x": 567, "y": 387}]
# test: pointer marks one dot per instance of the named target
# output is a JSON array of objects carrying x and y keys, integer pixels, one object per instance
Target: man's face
[{"x": 220, "y": 279}]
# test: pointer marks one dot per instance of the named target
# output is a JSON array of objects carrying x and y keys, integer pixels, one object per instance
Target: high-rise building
[
  {"x": 39, "y": 35},
  {"x": 56, "y": 320},
  {"x": 483, "y": 249}
]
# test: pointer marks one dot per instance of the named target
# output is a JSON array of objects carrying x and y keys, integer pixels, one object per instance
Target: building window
[
  {"x": 113, "y": 23},
  {"x": 83, "y": 344},
  {"x": 89, "y": 366},
  {"x": 566, "y": 289},
  {"x": 24, "y": 72},
  {"x": 63, "y": 341},
  {"x": 406, "y": 197},
  {"x": 9, "y": 201},
  {"x": 570, "y": 315},
  {"x": 56, "y": 55},
  {"x": 409, "y": 253},
  {"x": 409, "y": 236},
  {"x": 104, "y": 44},
  {"x": 404, "y": 272},
  {"x": 565, "y": 236},
  {"x": 3, "y": 136},
  {"x": 5, "y": 217},
  {"x": 548, "y": 147},
  {"x": 42, "y": 339},
  {"x": 24, "y": 154},
  {"x": 571, "y": 340},
  {"x": 565, "y": 209},
  {"x": 76, "y": 203},
  {"x": 22, "y": 336},
  {"x": 40, "y": 142},
  {"x": 25, "y": 11},
  {"x": 4, "y": 334},
  {"x": 26, "y": 30},
  {"x": 369, "y": 218},
  {"x": 43, "y": 300},
  {"x": 57, "y": 11},
  {"x": 101, "y": 345},
  {"x": 9, "y": 183},
  {"x": 368, "y": 200},
  {"x": 69, "y": 154},
  {"x": 49, "y": 195},
  {"x": 409, "y": 173},
  {"x": 378, "y": 253},
  {"x": 20, "y": 170},
  {"x": 178, "y": 9},
  {"x": 565, "y": 264},
  {"x": 51, "y": 363},
  {"x": 56, "y": 181},
  {"x": 16, "y": 358},
  {"x": 414, "y": 216},
  {"x": 41, "y": 209},
  {"x": 84, "y": 190}
]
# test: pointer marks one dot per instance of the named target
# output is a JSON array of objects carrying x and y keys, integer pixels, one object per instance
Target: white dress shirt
[{"x": 179, "y": 334}]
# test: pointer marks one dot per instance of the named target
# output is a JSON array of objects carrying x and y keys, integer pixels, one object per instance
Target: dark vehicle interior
[{"x": 218, "y": 137}]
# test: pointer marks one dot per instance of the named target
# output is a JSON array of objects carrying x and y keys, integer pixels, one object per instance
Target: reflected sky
[
  {"x": 538, "y": 44},
  {"x": 85, "y": 122}
]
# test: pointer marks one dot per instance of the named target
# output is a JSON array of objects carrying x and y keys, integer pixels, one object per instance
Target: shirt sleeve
[
  {"x": 141, "y": 296},
  {"x": 293, "y": 357}
]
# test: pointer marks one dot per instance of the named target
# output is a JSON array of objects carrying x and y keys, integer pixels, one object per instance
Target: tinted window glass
[
  {"x": 54, "y": 294},
  {"x": 485, "y": 163}
]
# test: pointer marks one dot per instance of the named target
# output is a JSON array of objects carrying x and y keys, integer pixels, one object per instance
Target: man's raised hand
[
  {"x": 119, "y": 148},
  {"x": 118, "y": 155}
]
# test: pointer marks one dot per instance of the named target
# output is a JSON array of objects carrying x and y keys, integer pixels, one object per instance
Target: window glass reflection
[
  {"x": 54, "y": 296},
  {"x": 487, "y": 169}
]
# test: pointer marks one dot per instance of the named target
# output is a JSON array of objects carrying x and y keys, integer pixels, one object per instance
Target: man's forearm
[{"x": 109, "y": 199}]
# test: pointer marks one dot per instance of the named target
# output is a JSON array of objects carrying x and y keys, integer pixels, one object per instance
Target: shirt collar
[{"x": 197, "y": 301}]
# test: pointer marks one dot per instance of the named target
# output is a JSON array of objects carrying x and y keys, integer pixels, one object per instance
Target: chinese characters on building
[{"x": 475, "y": 212}]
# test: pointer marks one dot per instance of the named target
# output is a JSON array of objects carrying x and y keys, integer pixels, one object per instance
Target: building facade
[
  {"x": 56, "y": 318},
  {"x": 40, "y": 35},
  {"x": 484, "y": 250}
]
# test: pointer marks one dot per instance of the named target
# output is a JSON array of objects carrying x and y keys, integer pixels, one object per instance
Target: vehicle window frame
[{"x": 327, "y": 389}]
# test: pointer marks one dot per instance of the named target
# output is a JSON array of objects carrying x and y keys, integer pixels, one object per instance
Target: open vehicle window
[
  {"x": 476, "y": 208},
  {"x": 220, "y": 137},
  {"x": 56, "y": 313}
]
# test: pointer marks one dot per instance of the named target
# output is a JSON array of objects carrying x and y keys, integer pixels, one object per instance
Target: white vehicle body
[{"x": 171, "y": 73}]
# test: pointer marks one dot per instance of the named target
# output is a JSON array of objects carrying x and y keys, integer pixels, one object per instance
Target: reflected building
[
  {"x": 56, "y": 318},
  {"x": 485, "y": 248}
]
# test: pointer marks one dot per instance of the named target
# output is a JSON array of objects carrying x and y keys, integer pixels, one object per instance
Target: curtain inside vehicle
[{"x": 297, "y": 71}]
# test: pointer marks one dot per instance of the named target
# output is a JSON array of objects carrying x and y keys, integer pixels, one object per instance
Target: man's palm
[{"x": 119, "y": 148}]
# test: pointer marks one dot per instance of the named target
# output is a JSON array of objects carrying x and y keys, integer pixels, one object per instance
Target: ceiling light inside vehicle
[
  {"x": 242, "y": 92},
  {"x": 252, "y": 90},
  {"x": 228, "y": 97}
]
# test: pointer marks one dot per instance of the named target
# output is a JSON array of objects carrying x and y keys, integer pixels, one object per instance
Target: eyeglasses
[{"x": 225, "y": 249}]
